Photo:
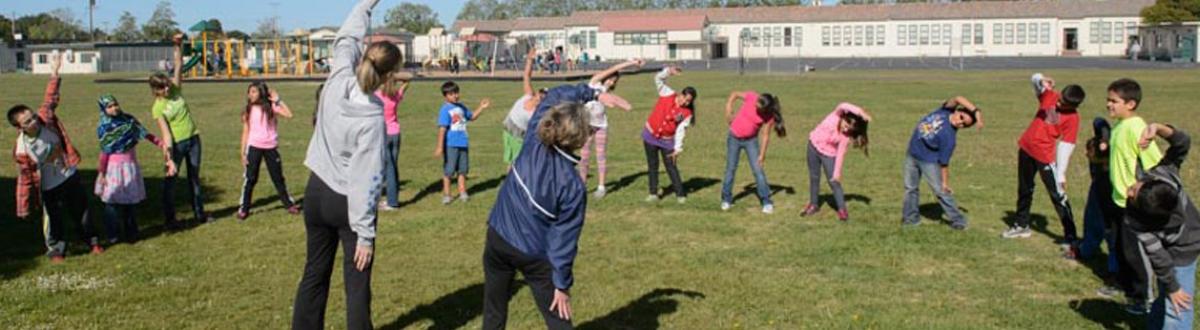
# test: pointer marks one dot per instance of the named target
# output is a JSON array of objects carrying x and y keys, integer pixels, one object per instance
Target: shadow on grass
[
  {"x": 24, "y": 242},
  {"x": 1037, "y": 222},
  {"x": 451, "y": 311},
  {"x": 934, "y": 211},
  {"x": 752, "y": 189},
  {"x": 827, "y": 199},
  {"x": 431, "y": 188},
  {"x": 624, "y": 181},
  {"x": 642, "y": 313},
  {"x": 695, "y": 184},
  {"x": 1107, "y": 313},
  {"x": 486, "y": 185}
]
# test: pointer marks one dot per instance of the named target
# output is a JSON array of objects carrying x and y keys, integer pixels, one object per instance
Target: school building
[{"x": 980, "y": 28}]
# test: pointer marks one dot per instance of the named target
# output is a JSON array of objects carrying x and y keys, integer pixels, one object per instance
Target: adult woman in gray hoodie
[{"x": 345, "y": 156}]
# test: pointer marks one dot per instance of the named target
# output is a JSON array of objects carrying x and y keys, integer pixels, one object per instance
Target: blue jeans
[
  {"x": 913, "y": 171},
  {"x": 186, "y": 152},
  {"x": 1163, "y": 314},
  {"x": 1099, "y": 212},
  {"x": 390, "y": 172},
  {"x": 733, "y": 151}
]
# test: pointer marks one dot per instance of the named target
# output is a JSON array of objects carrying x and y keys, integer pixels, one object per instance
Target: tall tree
[
  {"x": 237, "y": 34},
  {"x": 161, "y": 25},
  {"x": 268, "y": 28},
  {"x": 127, "y": 29},
  {"x": 57, "y": 25},
  {"x": 1172, "y": 11},
  {"x": 416, "y": 18}
]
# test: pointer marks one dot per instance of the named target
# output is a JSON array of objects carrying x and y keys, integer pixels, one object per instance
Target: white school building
[{"x": 982, "y": 28}]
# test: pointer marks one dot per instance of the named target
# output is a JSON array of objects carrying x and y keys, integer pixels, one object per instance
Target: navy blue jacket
[{"x": 541, "y": 205}]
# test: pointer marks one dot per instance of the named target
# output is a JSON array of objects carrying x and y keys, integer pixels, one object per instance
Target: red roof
[{"x": 657, "y": 23}]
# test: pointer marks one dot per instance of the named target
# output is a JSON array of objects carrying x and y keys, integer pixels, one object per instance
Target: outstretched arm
[
  {"x": 599, "y": 76},
  {"x": 348, "y": 46},
  {"x": 846, "y": 107},
  {"x": 278, "y": 106},
  {"x": 177, "y": 58},
  {"x": 50, "y": 99},
  {"x": 660, "y": 80},
  {"x": 527, "y": 78}
]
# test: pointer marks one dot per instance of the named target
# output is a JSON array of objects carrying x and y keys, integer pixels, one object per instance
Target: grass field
[{"x": 640, "y": 265}]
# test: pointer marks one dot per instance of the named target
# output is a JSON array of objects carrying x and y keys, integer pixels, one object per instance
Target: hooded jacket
[{"x": 1178, "y": 242}]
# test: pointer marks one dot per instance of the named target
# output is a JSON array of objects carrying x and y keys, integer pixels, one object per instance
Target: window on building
[
  {"x": 936, "y": 31},
  {"x": 1021, "y": 33},
  {"x": 756, "y": 37},
  {"x": 87, "y": 57},
  {"x": 1010, "y": 30},
  {"x": 1094, "y": 35},
  {"x": 1045, "y": 33},
  {"x": 902, "y": 35},
  {"x": 1106, "y": 31},
  {"x": 870, "y": 35},
  {"x": 825, "y": 39},
  {"x": 947, "y": 37},
  {"x": 966, "y": 34},
  {"x": 42, "y": 59},
  {"x": 837, "y": 36},
  {"x": 880, "y": 35},
  {"x": 798, "y": 34},
  {"x": 858, "y": 35},
  {"x": 979, "y": 34},
  {"x": 924, "y": 36},
  {"x": 640, "y": 38},
  {"x": 777, "y": 36},
  {"x": 997, "y": 33},
  {"x": 787, "y": 36},
  {"x": 847, "y": 35},
  {"x": 592, "y": 39},
  {"x": 1033, "y": 33},
  {"x": 1119, "y": 33},
  {"x": 1131, "y": 29}
]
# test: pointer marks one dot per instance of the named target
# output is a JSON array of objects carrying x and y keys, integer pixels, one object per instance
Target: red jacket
[
  {"x": 666, "y": 117},
  {"x": 28, "y": 179}
]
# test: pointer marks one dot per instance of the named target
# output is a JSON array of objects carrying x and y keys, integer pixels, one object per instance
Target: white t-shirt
[
  {"x": 53, "y": 171},
  {"x": 599, "y": 117},
  {"x": 518, "y": 118}
]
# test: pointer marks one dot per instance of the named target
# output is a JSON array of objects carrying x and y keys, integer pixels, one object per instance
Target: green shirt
[
  {"x": 1125, "y": 156},
  {"x": 174, "y": 110}
]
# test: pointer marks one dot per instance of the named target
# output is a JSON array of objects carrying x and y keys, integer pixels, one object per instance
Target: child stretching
[
  {"x": 392, "y": 94},
  {"x": 1101, "y": 217},
  {"x": 603, "y": 81},
  {"x": 1045, "y": 150},
  {"x": 452, "y": 140},
  {"x": 518, "y": 117},
  {"x": 1127, "y": 160},
  {"x": 929, "y": 151},
  {"x": 759, "y": 113},
  {"x": 181, "y": 138},
  {"x": 260, "y": 139},
  {"x": 665, "y": 130},
  {"x": 48, "y": 165},
  {"x": 827, "y": 144},
  {"x": 119, "y": 183}
]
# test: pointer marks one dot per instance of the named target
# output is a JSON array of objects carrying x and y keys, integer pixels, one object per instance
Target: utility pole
[{"x": 91, "y": 29}]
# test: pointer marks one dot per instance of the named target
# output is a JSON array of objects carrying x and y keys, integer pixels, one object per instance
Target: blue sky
[{"x": 234, "y": 14}]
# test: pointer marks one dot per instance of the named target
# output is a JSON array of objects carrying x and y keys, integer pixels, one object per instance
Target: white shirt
[{"x": 53, "y": 171}]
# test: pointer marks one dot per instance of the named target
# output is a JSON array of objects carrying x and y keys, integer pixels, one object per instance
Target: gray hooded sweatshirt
[{"x": 346, "y": 150}]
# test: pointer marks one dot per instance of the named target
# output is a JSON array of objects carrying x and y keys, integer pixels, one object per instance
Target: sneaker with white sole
[
  {"x": 651, "y": 198},
  {"x": 462, "y": 197},
  {"x": 681, "y": 200},
  {"x": 1017, "y": 232},
  {"x": 768, "y": 209},
  {"x": 446, "y": 199},
  {"x": 600, "y": 192},
  {"x": 725, "y": 206}
]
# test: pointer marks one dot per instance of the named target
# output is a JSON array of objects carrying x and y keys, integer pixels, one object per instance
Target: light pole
[{"x": 91, "y": 30}]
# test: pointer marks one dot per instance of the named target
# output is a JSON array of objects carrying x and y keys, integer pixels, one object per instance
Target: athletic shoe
[
  {"x": 960, "y": 226},
  {"x": 295, "y": 209},
  {"x": 600, "y": 192},
  {"x": 725, "y": 206},
  {"x": 57, "y": 260},
  {"x": 1109, "y": 291},
  {"x": 906, "y": 224},
  {"x": 651, "y": 198},
  {"x": 462, "y": 197},
  {"x": 96, "y": 249},
  {"x": 843, "y": 215},
  {"x": 446, "y": 199},
  {"x": 1071, "y": 252},
  {"x": 241, "y": 216},
  {"x": 768, "y": 209},
  {"x": 809, "y": 210},
  {"x": 1137, "y": 308},
  {"x": 681, "y": 200},
  {"x": 1017, "y": 232}
]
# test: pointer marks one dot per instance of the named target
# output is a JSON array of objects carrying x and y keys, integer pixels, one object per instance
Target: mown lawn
[{"x": 640, "y": 265}]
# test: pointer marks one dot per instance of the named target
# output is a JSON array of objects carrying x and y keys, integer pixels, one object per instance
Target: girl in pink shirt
[
  {"x": 259, "y": 141},
  {"x": 392, "y": 94},
  {"x": 749, "y": 130},
  {"x": 827, "y": 144}
]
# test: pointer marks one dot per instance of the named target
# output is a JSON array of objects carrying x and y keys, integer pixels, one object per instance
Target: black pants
[
  {"x": 254, "y": 158},
  {"x": 1134, "y": 274},
  {"x": 326, "y": 222},
  {"x": 500, "y": 263},
  {"x": 120, "y": 222},
  {"x": 653, "y": 153},
  {"x": 67, "y": 201},
  {"x": 186, "y": 152},
  {"x": 1027, "y": 167}
]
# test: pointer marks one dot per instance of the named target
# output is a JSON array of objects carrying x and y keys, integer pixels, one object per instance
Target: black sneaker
[{"x": 1137, "y": 308}]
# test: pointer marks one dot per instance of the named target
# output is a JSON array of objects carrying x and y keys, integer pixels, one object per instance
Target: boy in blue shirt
[
  {"x": 929, "y": 151},
  {"x": 452, "y": 140}
]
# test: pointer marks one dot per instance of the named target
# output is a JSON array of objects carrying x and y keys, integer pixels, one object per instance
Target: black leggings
[
  {"x": 254, "y": 158},
  {"x": 1027, "y": 168},
  {"x": 652, "y": 155},
  {"x": 500, "y": 263},
  {"x": 325, "y": 223}
]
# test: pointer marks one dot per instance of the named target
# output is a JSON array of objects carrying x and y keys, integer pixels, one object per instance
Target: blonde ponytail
[{"x": 378, "y": 63}]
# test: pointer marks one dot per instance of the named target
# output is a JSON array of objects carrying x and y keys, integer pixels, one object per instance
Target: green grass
[{"x": 640, "y": 265}]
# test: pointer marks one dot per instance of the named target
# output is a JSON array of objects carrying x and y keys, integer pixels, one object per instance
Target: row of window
[
  {"x": 585, "y": 39},
  {"x": 1020, "y": 33},
  {"x": 853, "y": 35},
  {"x": 639, "y": 38},
  {"x": 1111, "y": 32},
  {"x": 83, "y": 57},
  {"x": 777, "y": 36},
  {"x": 544, "y": 40}
]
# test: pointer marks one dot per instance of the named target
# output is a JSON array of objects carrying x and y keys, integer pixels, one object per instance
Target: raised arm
[
  {"x": 956, "y": 101},
  {"x": 1041, "y": 83},
  {"x": 527, "y": 78},
  {"x": 660, "y": 80},
  {"x": 846, "y": 107},
  {"x": 483, "y": 105},
  {"x": 278, "y": 106},
  {"x": 1179, "y": 143},
  {"x": 348, "y": 46},
  {"x": 733, "y": 97},
  {"x": 599, "y": 76},
  {"x": 177, "y": 58},
  {"x": 50, "y": 99}
]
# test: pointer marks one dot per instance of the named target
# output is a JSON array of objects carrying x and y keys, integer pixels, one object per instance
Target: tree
[
  {"x": 127, "y": 29},
  {"x": 268, "y": 28},
  {"x": 57, "y": 25},
  {"x": 416, "y": 18},
  {"x": 237, "y": 34},
  {"x": 1172, "y": 11},
  {"x": 161, "y": 25}
]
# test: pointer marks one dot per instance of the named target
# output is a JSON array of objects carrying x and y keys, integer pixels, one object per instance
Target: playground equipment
[{"x": 210, "y": 53}]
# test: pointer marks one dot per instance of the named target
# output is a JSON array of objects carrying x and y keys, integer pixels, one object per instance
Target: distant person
[
  {"x": 345, "y": 156},
  {"x": 452, "y": 142},
  {"x": 1045, "y": 150},
  {"x": 454, "y": 64},
  {"x": 178, "y": 130},
  {"x": 665, "y": 130},
  {"x": 392, "y": 94},
  {"x": 119, "y": 182},
  {"x": 48, "y": 165},
  {"x": 605, "y": 81},
  {"x": 846, "y": 126},
  {"x": 260, "y": 143},
  {"x": 750, "y": 131},
  {"x": 1167, "y": 225},
  {"x": 929, "y": 151},
  {"x": 583, "y": 61},
  {"x": 517, "y": 120},
  {"x": 1135, "y": 49},
  {"x": 1126, "y": 160}
]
